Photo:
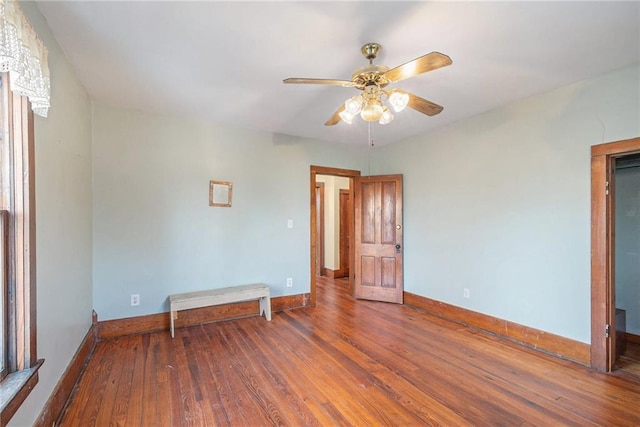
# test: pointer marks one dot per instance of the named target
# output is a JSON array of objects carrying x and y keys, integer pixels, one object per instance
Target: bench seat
[{"x": 220, "y": 296}]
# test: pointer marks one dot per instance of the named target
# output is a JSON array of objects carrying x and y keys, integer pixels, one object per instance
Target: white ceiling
[{"x": 225, "y": 61}]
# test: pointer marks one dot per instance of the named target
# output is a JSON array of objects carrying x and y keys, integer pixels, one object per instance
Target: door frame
[
  {"x": 603, "y": 158},
  {"x": 346, "y": 230},
  {"x": 319, "y": 201},
  {"x": 324, "y": 170}
]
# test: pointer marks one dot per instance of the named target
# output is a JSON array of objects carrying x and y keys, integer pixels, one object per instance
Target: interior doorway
[
  {"x": 336, "y": 267},
  {"x": 606, "y": 332},
  {"x": 627, "y": 262},
  {"x": 319, "y": 200}
]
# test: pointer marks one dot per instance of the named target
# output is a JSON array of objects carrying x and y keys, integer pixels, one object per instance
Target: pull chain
[{"x": 370, "y": 143}]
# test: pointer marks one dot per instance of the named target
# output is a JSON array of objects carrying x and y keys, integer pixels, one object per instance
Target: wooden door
[
  {"x": 345, "y": 232},
  {"x": 378, "y": 238}
]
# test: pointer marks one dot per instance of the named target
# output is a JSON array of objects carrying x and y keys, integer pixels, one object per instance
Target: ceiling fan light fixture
[
  {"x": 372, "y": 111},
  {"x": 353, "y": 105},
  {"x": 346, "y": 116},
  {"x": 386, "y": 117},
  {"x": 398, "y": 101},
  {"x": 372, "y": 81}
]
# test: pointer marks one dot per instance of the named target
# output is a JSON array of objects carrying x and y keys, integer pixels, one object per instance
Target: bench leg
[
  {"x": 265, "y": 307},
  {"x": 171, "y": 315}
]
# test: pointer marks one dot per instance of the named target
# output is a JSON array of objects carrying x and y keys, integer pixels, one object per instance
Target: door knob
[{"x": 398, "y": 247}]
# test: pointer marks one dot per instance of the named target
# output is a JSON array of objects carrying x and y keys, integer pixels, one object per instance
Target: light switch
[{"x": 289, "y": 223}]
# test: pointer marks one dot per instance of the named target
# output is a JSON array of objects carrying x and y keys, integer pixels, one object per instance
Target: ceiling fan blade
[
  {"x": 430, "y": 61},
  {"x": 335, "y": 119},
  {"x": 424, "y": 106},
  {"x": 345, "y": 83}
]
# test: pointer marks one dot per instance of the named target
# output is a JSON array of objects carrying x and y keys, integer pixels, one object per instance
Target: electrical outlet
[
  {"x": 466, "y": 293},
  {"x": 135, "y": 299},
  {"x": 289, "y": 282}
]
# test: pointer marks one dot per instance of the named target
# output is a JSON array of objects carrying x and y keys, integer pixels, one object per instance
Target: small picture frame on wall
[{"x": 220, "y": 193}]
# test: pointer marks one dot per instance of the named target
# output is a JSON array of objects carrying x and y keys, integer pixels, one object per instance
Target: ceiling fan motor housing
[{"x": 373, "y": 74}]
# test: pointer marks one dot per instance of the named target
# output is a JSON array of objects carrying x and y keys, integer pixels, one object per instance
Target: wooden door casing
[
  {"x": 319, "y": 261},
  {"x": 602, "y": 250},
  {"x": 611, "y": 242},
  {"x": 378, "y": 238},
  {"x": 345, "y": 232}
]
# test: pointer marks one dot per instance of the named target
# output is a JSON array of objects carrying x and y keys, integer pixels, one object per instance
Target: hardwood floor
[
  {"x": 630, "y": 359},
  {"x": 343, "y": 362}
]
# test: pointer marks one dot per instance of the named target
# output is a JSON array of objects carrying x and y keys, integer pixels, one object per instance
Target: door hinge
[
  {"x": 606, "y": 331},
  {"x": 606, "y": 188}
]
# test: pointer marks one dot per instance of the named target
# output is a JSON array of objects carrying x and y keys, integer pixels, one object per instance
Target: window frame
[
  {"x": 4, "y": 296},
  {"x": 17, "y": 196}
]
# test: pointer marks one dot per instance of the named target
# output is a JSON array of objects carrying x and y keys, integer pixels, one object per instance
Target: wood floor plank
[
  {"x": 189, "y": 384},
  {"x": 114, "y": 410},
  {"x": 344, "y": 362},
  {"x": 225, "y": 405},
  {"x": 97, "y": 385},
  {"x": 279, "y": 386},
  {"x": 252, "y": 379},
  {"x": 344, "y": 393},
  {"x": 136, "y": 400},
  {"x": 83, "y": 390},
  {"x": 317, "y": 402},
  {"x": 165, "y": 385}
]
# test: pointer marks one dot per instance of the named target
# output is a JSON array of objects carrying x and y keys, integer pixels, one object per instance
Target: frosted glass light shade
[
  {"x": 398, "y": 101},
  {"x": 372, "y": 111},
  {"x": 346, "y": 116},
  {"x": 386, "y": 117},
  {"x": 353, "y": 105}
]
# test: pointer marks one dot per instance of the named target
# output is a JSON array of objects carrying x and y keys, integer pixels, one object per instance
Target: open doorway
[
  {"x": 626, "y": 179},
  {"x": 328, "y": 245},
  {"x": 611, "y": 335},
  {"x": 333, "y": 227}
]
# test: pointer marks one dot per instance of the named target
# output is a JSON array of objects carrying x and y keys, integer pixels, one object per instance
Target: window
[
  {"x": 4, "y": 291},
  {"x": 17, "y": 262}
]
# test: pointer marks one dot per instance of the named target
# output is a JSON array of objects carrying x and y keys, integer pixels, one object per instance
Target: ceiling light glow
[{"x": 398, "y": 101}]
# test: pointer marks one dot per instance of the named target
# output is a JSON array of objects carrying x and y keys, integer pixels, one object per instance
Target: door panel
[
  {"x": 388, "y": 276},
  {"x": 368, "y": 213},
  {"x": 388, "y": 220},
  {"x": 378, "y": 238},
  {"x": 368, "y": 271}
]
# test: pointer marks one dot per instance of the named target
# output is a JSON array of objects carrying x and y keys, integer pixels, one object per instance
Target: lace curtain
[{"x": 24, "y": 56}]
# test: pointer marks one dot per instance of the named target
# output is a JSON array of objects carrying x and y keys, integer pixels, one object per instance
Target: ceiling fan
[{"x": 372, "y": 81}]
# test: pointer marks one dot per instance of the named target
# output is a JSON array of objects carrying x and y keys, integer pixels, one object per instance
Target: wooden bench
[{"x": 198, "y": 299}]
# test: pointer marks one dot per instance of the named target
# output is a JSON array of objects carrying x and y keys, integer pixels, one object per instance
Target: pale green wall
[
  {"x": 63, "y": 223},
  {"x": 500, "y": 203},
  {"x": 154, "y": 232},
  {"x": 627, "y": 252}
]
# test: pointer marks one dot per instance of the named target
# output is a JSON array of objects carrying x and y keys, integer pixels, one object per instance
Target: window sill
[{"x": 15, "y": 388}]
